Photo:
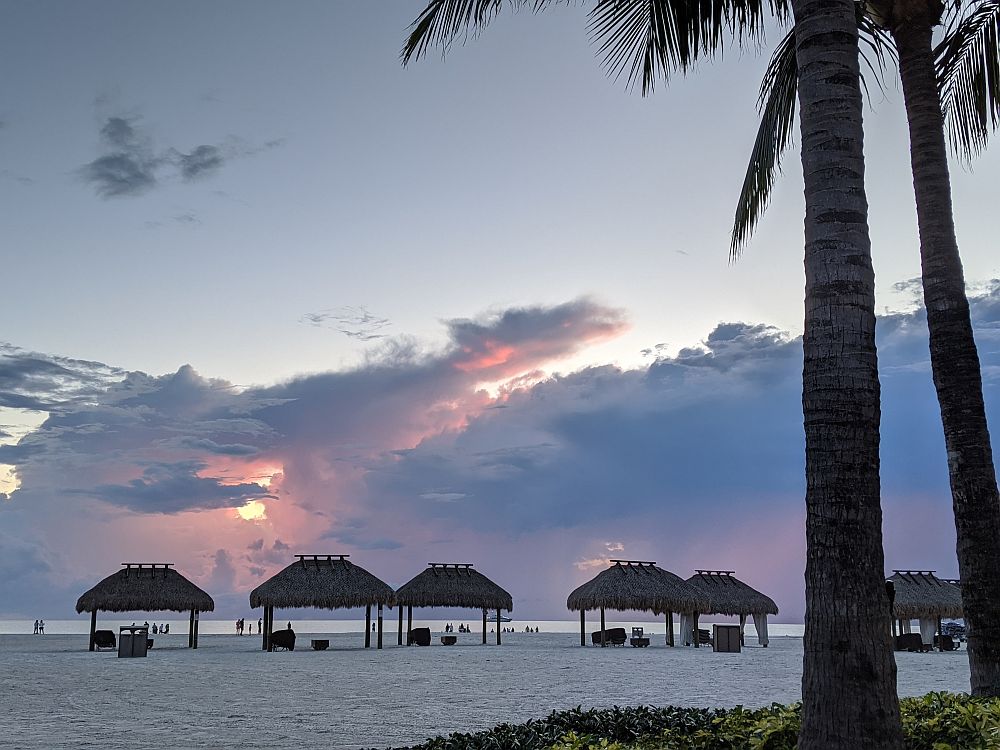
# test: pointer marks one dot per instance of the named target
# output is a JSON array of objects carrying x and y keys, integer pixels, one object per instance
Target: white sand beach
[{"x": 230, "y": 694}]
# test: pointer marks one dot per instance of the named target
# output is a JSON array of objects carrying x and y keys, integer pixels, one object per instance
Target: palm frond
[
  {"x": 649, "y": 39},
  {"x": 968, "y": 71},
  {"x": 777, "y": 101},
  {"x": 443, "y": 20}
]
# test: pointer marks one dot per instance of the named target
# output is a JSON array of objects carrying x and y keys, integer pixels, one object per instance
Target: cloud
[
  {"x": 692, "y": 459},
  {"x": 355, "y": 322},
  {"x": 131, "y": 165}
]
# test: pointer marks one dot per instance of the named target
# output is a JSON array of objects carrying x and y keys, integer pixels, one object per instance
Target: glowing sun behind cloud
[{"x": 254, "y": 510}]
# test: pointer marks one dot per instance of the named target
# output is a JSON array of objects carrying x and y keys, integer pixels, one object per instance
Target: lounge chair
[
  {"x": 283, "y": 639},
  {"x": 945, "y": 643},
  {"x": 612, "y": 637},
  {"x": 449, "y": 640},
  {"x": 911, "y": 642},
  {"x": 104, "y": 639},
  {"x": 320, "y": 644},
  {"x": 419, "y": 637}
]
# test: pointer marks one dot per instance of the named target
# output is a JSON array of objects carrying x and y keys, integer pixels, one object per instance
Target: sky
[{"x": 267, "y": 292}]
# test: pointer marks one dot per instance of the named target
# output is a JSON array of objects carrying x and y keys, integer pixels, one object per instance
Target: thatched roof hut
[
  {"x": 146, "y": 587},
  {"x": 728, "y": 595},
  {"x": 452, "y": 585},
  {"x": 324, "y": 582},
  {"x": 639, "y": 585},
  {"x": 919, "y": 594}
]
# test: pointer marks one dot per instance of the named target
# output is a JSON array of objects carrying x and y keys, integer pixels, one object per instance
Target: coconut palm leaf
[
  {"x": 647, "y": 39},
  {"x": 968, "y": 68},
  {"x": 776, "y": 103}
]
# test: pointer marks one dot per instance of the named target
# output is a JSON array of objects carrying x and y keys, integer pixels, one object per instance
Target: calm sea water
[{"x": 81, "y": 625}]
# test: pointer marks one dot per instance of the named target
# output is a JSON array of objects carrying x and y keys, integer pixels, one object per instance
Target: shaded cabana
[
  {"x": 921, "y": 595},
  {"x": 323, "y": 582},
  {"x": 636, "y": 585},
  {"x": 146, "y": 587},
  {"x": 728, "y": 595},
  {"x": 451, "y": 585}
]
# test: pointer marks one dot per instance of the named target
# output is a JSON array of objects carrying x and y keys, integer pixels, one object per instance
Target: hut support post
[
  {"x": 368, "y": 626},
  {"x": 498, "y": 626},
  {"x": 93, "y": 627},
  {"x": 484, "y": 626},
  {"x": 583, "y": 627},
  {"x": 191, "y": 630},
  {"x": 399, "y": 636},
  {"x": 263, "y": 631},
  {"x": 380, "y": 626},
  {"x": 269, "y": 619},
  {"x": 697, "y": 635},
  {"x": 743, "y": 624},
  {"x": 670, "y": 629},
  {"x": 197, "y": 622},
  {"x": 409, "y": 623},
  {"x": 604, "y": 635},
  {"x": 940, "y": 640}
]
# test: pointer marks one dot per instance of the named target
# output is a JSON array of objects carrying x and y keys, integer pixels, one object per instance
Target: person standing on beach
[
  {"x": 41, "y": 627},
  {"x": 260, "y": 625},
  {"x": 36, "y": 628}
]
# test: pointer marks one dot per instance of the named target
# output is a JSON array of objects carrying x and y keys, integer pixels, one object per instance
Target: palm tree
[
  {"x": 849, "y": 686},
  {"x": 960, "y": 78}
]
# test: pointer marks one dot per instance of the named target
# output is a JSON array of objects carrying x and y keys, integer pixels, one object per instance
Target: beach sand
[{"x": 228, "y": 693}]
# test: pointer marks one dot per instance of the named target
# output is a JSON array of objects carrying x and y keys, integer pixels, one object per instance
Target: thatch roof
[
  {"x": 730, "y": 596},
  {"x": 920, "y": 593},
  {"x": 323, "y": 581},
  {"x": 640, "y": 585},
  {"x": 453, "y": 585},
  {"x": 145, "y": 587}
]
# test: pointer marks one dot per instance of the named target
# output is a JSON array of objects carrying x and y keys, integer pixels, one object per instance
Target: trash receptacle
[
  {"x": 132, "y": 641},
  {"x": 726, "y": 638}
]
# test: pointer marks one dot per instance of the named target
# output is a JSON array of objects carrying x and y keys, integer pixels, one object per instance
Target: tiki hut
[
  {"x": 728, "y": 595},
  {"x": 921, "y": 595},
  {"x": 639, "y": 585},
  {"x": 324, "y": 582},
  {"x": 451, "y": 585},
  {"x": 146, "y": 587}
]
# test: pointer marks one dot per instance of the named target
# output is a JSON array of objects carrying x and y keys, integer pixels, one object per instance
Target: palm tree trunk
[
  {"x": 849, "y": 675},
  {"x": 954, "y": 359}
]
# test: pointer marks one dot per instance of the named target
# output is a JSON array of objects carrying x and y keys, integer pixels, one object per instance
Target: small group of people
[
  {"x": 242, "y": 627},
  {"x": 529, "y": 630},
  {"x": 39, "y": 627},
  {"x": 164, "y": 628},
  {"x": 462, "y": 628}
]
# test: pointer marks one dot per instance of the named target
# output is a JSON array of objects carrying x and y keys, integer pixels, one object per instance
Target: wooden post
[
  {"x": 498, "y": 626},
  {"x": 583, "y": 627},
  {"x": 743, "y": 624},
  {"x": 191, "y": 630},
  {"x": 940, "y": 635},
  {"x": 604, "y": 635},
  {"x": 380, "y": 626},
  {"x": 484, "y": 626},
  {"x": 197, "y": 620},
  {"x": 409, "y": 622},
  {"x": 399, "y": 637},
  {"x": 670, "y": 629},
  {"x": 270, "y": 627},
  {"x": 697, "y": 635},
  {"x": 368, "y": 626},
  {"x": 93, "y": 628},
  {"x": 263, "y": 631}
]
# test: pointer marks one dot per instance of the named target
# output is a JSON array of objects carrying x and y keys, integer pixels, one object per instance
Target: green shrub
[{"x": 936, "y": 721}]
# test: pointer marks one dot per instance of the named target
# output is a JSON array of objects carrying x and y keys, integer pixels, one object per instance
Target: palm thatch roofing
[
  {"x": 730, "y": 596},
  {"x": 639, "y": 585},
  {"x": 920, "y": 593},
  {"x": 322, "y": 581},
  {"x": 453, "y": 585},
  {"x": 145, "y": 587}
]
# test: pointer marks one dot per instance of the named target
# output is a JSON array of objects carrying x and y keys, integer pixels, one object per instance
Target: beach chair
[
  {"x": 419, "y": 637},
  {"x": 612, "y": 637},
  {"x": 911, "y": 642},
  {"x": 449, "y": 640},
  {"x": 283, "y": 639},
  {"x": 104, "y": 639},
  {"x": 945, "y": 643}
]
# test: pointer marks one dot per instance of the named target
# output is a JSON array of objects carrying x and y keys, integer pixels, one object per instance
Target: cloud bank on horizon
[{"x": 473, "y": 452}]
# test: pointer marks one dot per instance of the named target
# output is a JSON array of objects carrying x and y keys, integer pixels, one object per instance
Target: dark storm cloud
[
  {"x": 210, "y": 446},
  {"x": 172, "y": 488},
  {"x": 29, "y": 380}
]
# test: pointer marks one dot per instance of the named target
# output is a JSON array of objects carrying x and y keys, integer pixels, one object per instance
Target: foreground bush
[{"x": 936, "y": 721}]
